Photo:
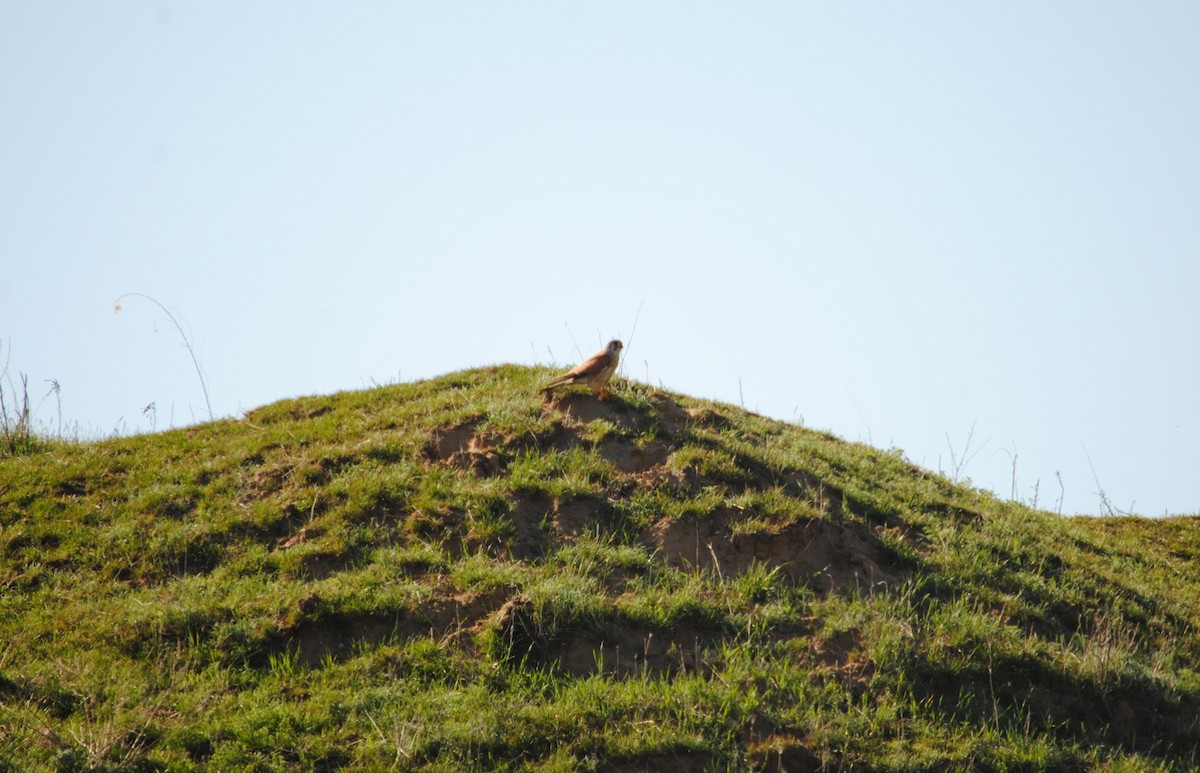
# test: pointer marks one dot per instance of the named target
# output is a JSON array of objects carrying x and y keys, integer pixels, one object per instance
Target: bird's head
[{"x": 615, "y": 346}]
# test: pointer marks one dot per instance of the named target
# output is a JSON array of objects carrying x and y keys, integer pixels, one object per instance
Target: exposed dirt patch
[
  {"x": 842, "y": 657},
  {"x": 530, "y": 539},
  {"x": 782, "y": 754},
  {"x": 566, "y": 519},
  {"x": 480, "y": 458},
  {"x": 615, "y": 647},
  {"x": 448, "y": 441},
  {"x": 709, "y": 418},
  {"x": 624, "y": 650},
  {"x": 451, "y": 617},
  {"x": 837, "y": 649},
  {"x": 560, "y": 437},
  {"x": 462, "y": 446},
  {"x": 298, "y": 538},
  {"x": 446, "y": 618},
  {"x": 686, "y": 478},
  {"x": 672, "y": 417},
  {"x": 319, "y": 566},
  {"x": 584, "y": 407},
  {"x": 336, "y": 639},
  {"x": 266, "y": 480},
  {"x": 574, "y": 517},
  {"x": 632, "y": 458},
  {"x": 458, "y": 535},
  {"x": 830, "y": 556},
  {"x": 291, "y": 474}
]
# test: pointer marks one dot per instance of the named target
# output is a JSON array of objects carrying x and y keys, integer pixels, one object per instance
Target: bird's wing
[{"x": 591, "y": 366}]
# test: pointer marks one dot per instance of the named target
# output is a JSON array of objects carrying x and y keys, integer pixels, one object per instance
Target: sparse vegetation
[
  {"x": 17, "y": 434},
  {"x": 462, "y": 574}
]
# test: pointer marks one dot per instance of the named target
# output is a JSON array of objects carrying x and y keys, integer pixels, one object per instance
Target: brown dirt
[
  {"x": 583, "y": 408},
  {"x": 567, "y": 518},
  {"x": 632, "y": 459},
  {"x": 463, "y": 447},
  {"x": 616, "y": 648},
  {"x": 627, "y": 650},
  {"x": 831, "y": 556},
  {"x": 298, "y": 538},
  {"x": 783, "y": 754},
  {"x": 446, "y": 618}
]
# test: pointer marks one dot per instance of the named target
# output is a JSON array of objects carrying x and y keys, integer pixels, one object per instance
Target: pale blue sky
[{"x": 890, "y": 221}]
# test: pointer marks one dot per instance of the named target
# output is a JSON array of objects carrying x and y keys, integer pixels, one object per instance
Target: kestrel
[{"x": 595, "y": 371}]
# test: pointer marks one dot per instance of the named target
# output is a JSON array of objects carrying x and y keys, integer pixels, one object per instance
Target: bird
[{"x": 595, "y": 371}]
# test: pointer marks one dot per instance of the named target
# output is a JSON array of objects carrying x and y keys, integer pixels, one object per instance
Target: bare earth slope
[{"x": 463, "y": 573}]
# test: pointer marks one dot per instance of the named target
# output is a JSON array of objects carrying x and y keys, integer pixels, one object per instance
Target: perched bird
[{"x": 595, "y": 371}]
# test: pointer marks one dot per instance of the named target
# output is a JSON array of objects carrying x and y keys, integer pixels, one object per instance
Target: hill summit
[{"x": 464, "y": 573}]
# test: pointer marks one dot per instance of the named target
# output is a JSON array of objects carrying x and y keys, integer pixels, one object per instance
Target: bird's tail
[{"x": 557, "y": 381}]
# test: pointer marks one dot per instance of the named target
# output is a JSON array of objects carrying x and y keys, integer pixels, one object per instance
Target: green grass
[{"x": 464, "y": 574}]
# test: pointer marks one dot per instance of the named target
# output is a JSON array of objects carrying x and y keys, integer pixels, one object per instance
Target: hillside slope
[{"x": 463, "y": 573}]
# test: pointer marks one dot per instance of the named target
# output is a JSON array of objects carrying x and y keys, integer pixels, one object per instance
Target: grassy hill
[{"x": 465, "y": 574}]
